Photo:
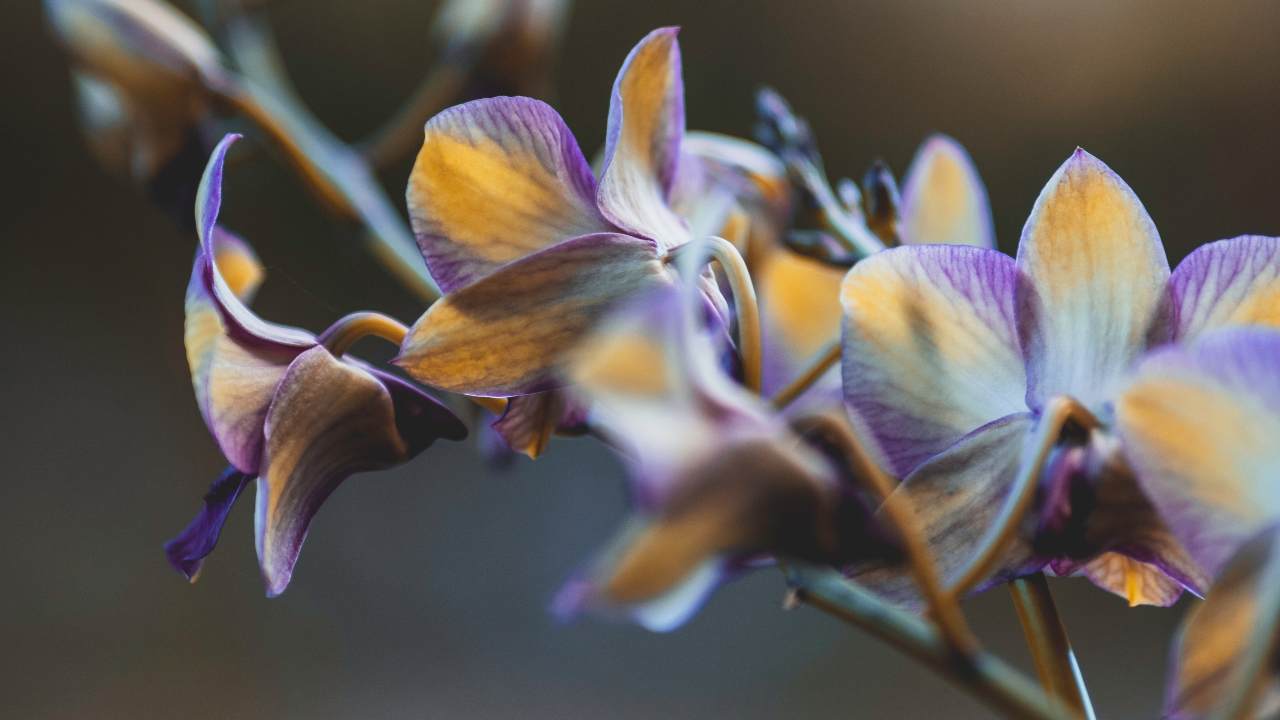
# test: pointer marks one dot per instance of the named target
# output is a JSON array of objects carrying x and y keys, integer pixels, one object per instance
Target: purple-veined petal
[
  {"x": 1199, "y": 424},
  {"x": 642, "y": 147},
  {"x": 327, "y": 421},
  {"x": 931, "y": 346},
  {"x": 508, "y": 333},
  {"x": 1224, "y": 659},
  {"x": 495, "y": 180},
  {"x": 1137, "y": 582},
  {"x": 1097, "y": 273},
  {"x": 187, "y": 551},
  {"x": 943, "y": 198},
  {"x": 1228, "y": 282},
  {"x": 530, "y": 420},
  {"x": 957, "y": 495}
]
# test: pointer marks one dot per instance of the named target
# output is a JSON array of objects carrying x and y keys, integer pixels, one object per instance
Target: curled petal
[
  {"x": 642, "y": 146},
  {"x": 957, "y": 496},
  {"x": 420, "y": 418},
  {"x": 328, "y": 421},
  {"x": 187, "y": 551},
  {"x": 508, "y": 333},
  {"x": 495, "y": 180},
  {"x": 943, "y": 199},
  {"x": 1228, "y": 282},
  {"x": 931, "y": 346},
  {"x": 1224, "y": 660},
  {"x": 1199, "y": 423},
  {"x": 1138, "y": 582},
  {"x": 1097, "y": 272}
]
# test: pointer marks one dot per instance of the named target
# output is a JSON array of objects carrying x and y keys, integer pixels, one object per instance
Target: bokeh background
[{"x": 422, "y": 592}]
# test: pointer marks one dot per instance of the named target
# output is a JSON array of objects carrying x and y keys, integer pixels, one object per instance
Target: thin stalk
[
  {"x": 984, "y": 676},
  {"x": 943, "y": 607},
  {"x": 1057, "y": 412},
  {"x": 1050, "y": 649},
  {"x": 819, "y": 367},
  {"x": 746, "y": 307}
]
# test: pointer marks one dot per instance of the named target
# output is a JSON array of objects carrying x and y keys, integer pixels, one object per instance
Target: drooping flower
[
  {"x": 529, "y": 247},
  {"x": 719, "y": 481},
  {"x": 1200, "y": 423},
  {"x": 281, "y": 406},
  {"x": 952, "y": 355}
]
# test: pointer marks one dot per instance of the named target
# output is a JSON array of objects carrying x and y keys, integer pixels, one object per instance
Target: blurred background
[{"x": 422, "y": 591}]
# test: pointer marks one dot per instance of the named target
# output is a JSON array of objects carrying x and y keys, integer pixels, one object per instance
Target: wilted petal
[
  {"x": 1224, "y": 660},
  {"x": 187, "y": 551},
  {"x": 1200, "y": 424},
  {"x": 497, "y": 179},
  {"x": 328, "y": 421},
  {"x": 943, "y": 198},
  {"x": 507, "y": 333},
  {"x": 236, "y": 358},
  {"x": 1138, "y": 582},
  {"x": 957, "y": 496},
  {"x": 1228, "y": 282},
  {"x": 931, "y": 346},
  {"x": 1097, "y": 272},
  {"x": 642, "y": 147}
]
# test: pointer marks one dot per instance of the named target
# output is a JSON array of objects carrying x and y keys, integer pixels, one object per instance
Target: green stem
[
  {"x": 1050, "y": 649},
  {"x": 982, "y": 675}
]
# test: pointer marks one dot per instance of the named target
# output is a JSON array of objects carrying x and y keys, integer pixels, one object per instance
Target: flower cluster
[{"x": 1077, "y": 409}]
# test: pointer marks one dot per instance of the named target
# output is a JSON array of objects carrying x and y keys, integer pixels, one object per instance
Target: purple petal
[
  {"x": 187, "y": 551},
  {"x": 421, "y": 418},
  {"x": 1097, "y": 273},
  {"x": 642, "y": 146},
  {"x": 327, "y": 421},
  {"x": 496, "y": 180},
  {"x": 931, "y": 346},
  {"x": 943, "y": 199},
  {"x": 1199, "y": 424},
  {"x": 1228, "y": 282}
]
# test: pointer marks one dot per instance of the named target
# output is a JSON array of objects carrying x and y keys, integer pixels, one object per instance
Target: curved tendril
[
  {"x": 822, "y": 362},
  {"x": 341, "y": 335},
  {"x": 745, "y": 305},
  {"x": 1057, "y": 412},
  {"x": 943, "y": 606}
]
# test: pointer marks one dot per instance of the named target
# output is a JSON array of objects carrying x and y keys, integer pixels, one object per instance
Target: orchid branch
[
  {"x": 1047, "y": 639},
  {"x": 823, "y": 362},
  {"x": 982, "y": 675},
  {"x": 1057, "y": 412},
  {"x": 944, "y": 607}
]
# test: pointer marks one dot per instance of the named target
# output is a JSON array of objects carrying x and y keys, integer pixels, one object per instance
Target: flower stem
[
  {"x": 746, "y": 307},
  {"x": 1047, "y": 639},
  {"x": 819, "y": 367},
  {"x": 942, "y": 606},
  {"x": 980, "y": 674},
  {"x": 1057, "y": 412}
]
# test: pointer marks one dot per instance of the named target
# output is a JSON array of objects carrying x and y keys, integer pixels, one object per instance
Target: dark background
[{"x": 422, "y": 591}]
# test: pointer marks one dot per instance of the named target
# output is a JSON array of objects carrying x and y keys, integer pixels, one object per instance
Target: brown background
[{"x": 422, "y": 591}]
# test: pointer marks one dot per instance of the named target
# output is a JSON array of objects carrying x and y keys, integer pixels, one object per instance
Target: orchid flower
[
  {"x": 1199, "y": 423},
  {"x": 718, "y": 478},
  {"x": 973, "y": 370},
  {"x": 530, "y": 248},
  {"x": 283, "y": 405}
]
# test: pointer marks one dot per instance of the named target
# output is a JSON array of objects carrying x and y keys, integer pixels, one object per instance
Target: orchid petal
[
  {"x": 187, "y": 551},
  {"x": 642, "y": 146},
  {"x": 1097, "y": 272},
  {"x": 530, "y": 420},
  {"x": 957, "y": 495},
  {"x": 237, "y": 263},
  {"x": 931, "y": 346},
  {"x": 1138, "y": 582},
  {"x": 508, "y": 333},
  {"x": 800, "y": 313},
  {"x": 1199, "y": 424},
  {"x": 1228, "y": 282},
  {"x": 327, "y": 421},
  {"x": 495, "y": 180},
  {"x": 943, "y": 199},
  {"x": 420, "y": 418},
  {"x": 1224, "y": 660}
]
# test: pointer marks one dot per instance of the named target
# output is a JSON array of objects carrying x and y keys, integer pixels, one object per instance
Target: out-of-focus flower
[
  {"x": 507, "y": 43},
  {"x": 140, "y": 72},
  {"x": 718, "y": 479},
  {"x": 952, "y": 355},
  {"x": 1200, "y": 424},
  {"x": 282, "y": 407}
]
